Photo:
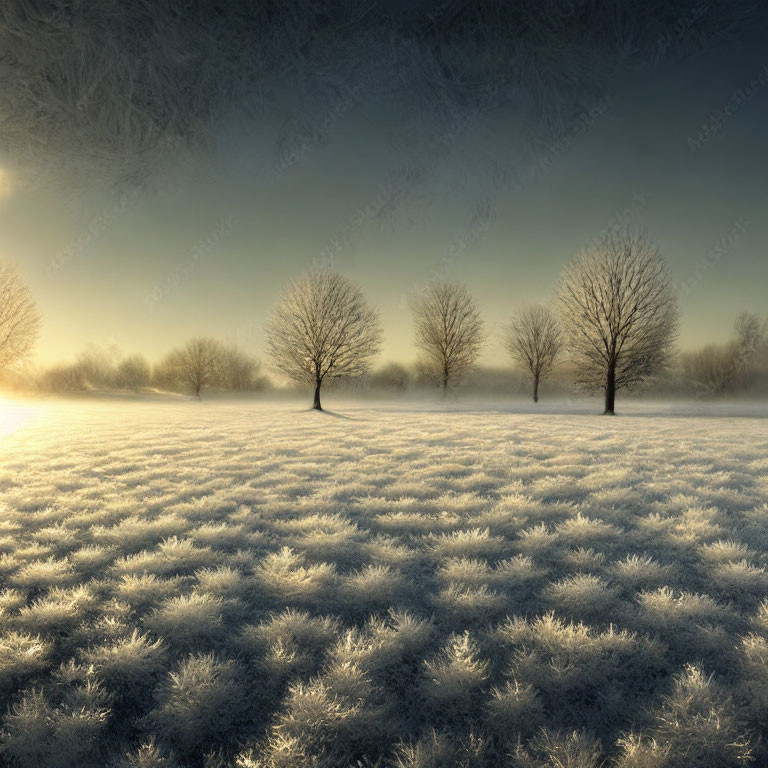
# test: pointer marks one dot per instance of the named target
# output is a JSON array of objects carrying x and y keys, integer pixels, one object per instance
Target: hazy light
[
  {"x": 6, "y": 185},
  {"x": 15, "y": 415}
]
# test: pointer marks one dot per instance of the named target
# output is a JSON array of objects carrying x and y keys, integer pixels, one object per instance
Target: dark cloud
[{"x": 121, "y": 90}]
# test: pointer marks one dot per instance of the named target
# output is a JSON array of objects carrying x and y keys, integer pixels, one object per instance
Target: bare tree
[
  {"x": 97, "y": 365},
  {"x": 534, "y": 340},
  {"x": 726, "y": 369},
  {"x": 19, "y": 318},
  {"x": 752, "y": 335},
  {"x": 746, "y": 352},
  {"x": 449, "y": 331},
  {"x": 619, "y": 313},
  {"x": 239, "y": 372},
  {"x": 393, "y": 376},
  {"x": 195, "y": 365},
  {"x": 322, "y": 328},
  {"x": 752, "y": 340},
  {"x": 132, "y": 372},
  {"x": 714, "y": 370}
]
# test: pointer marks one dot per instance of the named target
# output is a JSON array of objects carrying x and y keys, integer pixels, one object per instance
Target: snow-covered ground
[{"x": 244, "y": 584}]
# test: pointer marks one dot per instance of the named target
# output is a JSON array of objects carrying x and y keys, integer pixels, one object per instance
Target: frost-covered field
[{"x": 212, "y": 584}]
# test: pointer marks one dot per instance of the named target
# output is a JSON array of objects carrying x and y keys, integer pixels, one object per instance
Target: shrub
[
  {"x": 292, "y": 642},
  {"x": 132, "y": 373},
  {"x": 129, "y": 665},
  {"x": 583, "y": 530},
  {"x": 469, "y": 605},
  {"x": 388, "y": 550},
  {"x": 223, "y": 581},
  {"x": 538, "y": 540},
  {"x": 92, "y": 557},
  {"x": 390, "y": 650},
  {"x": 665, "y": 609},
  {"x": 36, "y": 733},
  {"x": 148, "y": 755},
  {"x": 58, "y": 536},
  {"x": 691, "y": 623},
  {"x": 518, "y": 574},
  {"x": 740, "y": 581},
  {"x": 339, "y": 544},
  {"x": 636, "y": 572},
  {"x": 754, "y": 668},
  {"x": 284, "y": 577},
  {"x": 392, "y": 377},
  {"x": 695, "y": 725},
  {"x": 514, "y": 710},
  {"x": 62, "y": 378},
  {"x": 145, "y": 590},
  {"x": 583, "y": 559},
  {"x": 551, "y": 749},
  {"x": 436, "y": 750},
  {"x": 134, "y": 533},
  {"x": 21, "y": 656},
  {"x": 198, "y": 703},
  {"x": 373, "y": 587},
  {"x": 327, "y": 722},
  {"x": 42, "y": 574},
  {"x": 475, "y": 542},
  {"x": 59, "y": 612},
  {"x": 725, "y": 551},
  {"x": 696, "y": 525},
  {"x": 637, "y": 752},
  {"x": 11, "y": 600},
  {"x": 432, "y": 751},
  {"x": 464, "y": 570},
  {"x": 188, "y": 620},
  {"x": 223, "y": 536},
  {"x": 583, "y": 596},
  {"x": 580, "y": 673},
  {"x": 455, "y": 679},
  {"x": 28, "y": 736},
  {"x": 173, "y": 556}
]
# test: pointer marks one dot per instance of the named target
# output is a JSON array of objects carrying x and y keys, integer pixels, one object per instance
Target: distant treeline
[
  {"x": 738, "y": 367},
  {"x": 218, "y": 366}
]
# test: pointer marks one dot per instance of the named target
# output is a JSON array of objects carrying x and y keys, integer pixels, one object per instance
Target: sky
[{"x": 393, "y": 198}]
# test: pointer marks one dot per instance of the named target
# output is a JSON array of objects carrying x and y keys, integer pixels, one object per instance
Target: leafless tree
[
  {"x": 19, "y": 318},
  {"x": 751, "y": 334},
  {"x": 619, "y": 313},
  {"x": 132, "y": 372},
  {"x": 727, "y": 369},
  {"x": 714, "y": 370},
  {"x": 449, "y": 331},
  {"x": 534, "y": 340},
  {"x": 322, "y": 328},
  {"x": 751, "y": 343},
  {"x": 97, "y": 365},
  {"x": 392, "y": 376},
  {"x": 195, "y": 365},
  {"x": 62, "y": 378},
  {"x": 239, "y": 372}
]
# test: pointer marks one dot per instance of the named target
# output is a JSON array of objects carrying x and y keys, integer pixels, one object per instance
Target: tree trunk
[
  {"x": 445, "y": 383},
  {"x": 610, "y": 392},
  {"x": 536, "y": 388},
  {"x": 316, "y": 404}
]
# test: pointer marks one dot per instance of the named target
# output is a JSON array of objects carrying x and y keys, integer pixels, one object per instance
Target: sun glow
[{"x": 16, "y": 415}]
